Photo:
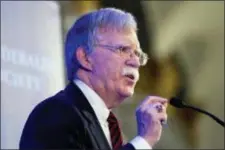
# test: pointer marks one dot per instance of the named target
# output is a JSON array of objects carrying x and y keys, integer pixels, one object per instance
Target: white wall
[{"x": 31, "y": 62}]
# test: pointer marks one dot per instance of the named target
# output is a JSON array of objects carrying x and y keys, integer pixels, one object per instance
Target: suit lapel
[{"x": 78, "y": 100}]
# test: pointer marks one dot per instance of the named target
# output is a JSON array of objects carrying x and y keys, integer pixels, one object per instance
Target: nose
[{"x": 133, "y": 61}]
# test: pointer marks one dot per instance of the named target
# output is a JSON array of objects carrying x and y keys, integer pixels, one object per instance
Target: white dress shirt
[{"x": 102, "y": 113}]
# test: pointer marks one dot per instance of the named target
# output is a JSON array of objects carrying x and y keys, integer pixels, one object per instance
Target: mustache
[{"x": 131, "y": 71}]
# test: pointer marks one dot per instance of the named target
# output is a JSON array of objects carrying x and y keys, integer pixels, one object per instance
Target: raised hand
[{"x": 151, "y": 115}]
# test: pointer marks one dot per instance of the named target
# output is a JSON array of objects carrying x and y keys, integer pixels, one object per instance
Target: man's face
[{"x": 114, "y": 72}]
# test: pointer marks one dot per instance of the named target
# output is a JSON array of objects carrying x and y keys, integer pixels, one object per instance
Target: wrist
[{"x": 151, "y": 141}]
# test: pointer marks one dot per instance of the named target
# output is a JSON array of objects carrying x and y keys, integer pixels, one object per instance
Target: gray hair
[{"x": 84, "y": 31}]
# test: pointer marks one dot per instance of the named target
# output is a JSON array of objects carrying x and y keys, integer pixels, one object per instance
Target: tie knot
[{"x": 111, "y": 118}]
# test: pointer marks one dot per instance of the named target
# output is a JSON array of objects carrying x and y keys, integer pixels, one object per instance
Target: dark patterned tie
[{"x": 115, "y": 133}]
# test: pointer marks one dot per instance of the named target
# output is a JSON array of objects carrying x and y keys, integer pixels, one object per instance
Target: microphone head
[{"x": 176, "y": 102}]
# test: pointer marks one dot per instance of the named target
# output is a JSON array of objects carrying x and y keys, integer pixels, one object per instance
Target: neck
[{"x": 109, "y": 98}]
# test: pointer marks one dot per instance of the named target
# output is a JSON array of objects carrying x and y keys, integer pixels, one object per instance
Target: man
[{"x": 103, "y": 56}]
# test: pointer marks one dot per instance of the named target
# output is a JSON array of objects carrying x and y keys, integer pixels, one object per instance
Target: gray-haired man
[{"x": 103, "y": 56}]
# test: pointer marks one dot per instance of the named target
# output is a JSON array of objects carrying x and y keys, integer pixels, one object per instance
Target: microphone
[{"x": 178, "y": 103}]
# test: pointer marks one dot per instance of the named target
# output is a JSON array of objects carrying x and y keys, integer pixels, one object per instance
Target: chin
[{"x": 127, "y": 93}]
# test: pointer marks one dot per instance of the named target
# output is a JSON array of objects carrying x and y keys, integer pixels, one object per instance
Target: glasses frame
[{"x": 121, "y": 49}]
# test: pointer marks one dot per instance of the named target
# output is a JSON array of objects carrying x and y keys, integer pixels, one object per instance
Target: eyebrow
[{"x": 129, "y": 46}]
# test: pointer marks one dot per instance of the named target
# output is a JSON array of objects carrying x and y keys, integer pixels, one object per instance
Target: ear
[{"x": 83, "y": 58}]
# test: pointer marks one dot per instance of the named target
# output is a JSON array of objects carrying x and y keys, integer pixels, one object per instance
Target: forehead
[{"x": 114, "y": 37}]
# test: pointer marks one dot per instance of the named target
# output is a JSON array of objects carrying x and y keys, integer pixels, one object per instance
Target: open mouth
[{"x": 130, "y": 76}]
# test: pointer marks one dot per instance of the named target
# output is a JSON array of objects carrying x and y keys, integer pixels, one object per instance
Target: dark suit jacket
[{"x": 64, "y": 121}]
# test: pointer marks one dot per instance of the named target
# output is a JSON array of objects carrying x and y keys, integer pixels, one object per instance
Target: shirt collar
[{"x": 96, "y": 102}]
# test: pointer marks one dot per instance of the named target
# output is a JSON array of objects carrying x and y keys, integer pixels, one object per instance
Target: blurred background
[{"x": 184, "y": 39}]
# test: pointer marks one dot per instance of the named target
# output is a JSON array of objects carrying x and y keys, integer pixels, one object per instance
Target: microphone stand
[{"x": 205, "y": 112}]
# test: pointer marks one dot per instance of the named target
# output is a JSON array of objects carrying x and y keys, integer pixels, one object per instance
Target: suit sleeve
[
  {"x": 128, "y": 146},
  {"x": 47, "y": 128}
]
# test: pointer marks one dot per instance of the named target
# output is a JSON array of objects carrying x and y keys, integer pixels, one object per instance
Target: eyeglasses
[{"x": 127, "y": 51}]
